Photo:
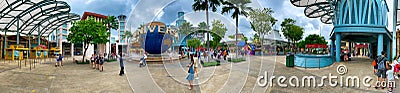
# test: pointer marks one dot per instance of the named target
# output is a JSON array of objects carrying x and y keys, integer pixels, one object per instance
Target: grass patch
[
  {"x": 78, "y": 62},
  {"x": 207, "y": 64},
  {"x": 236, "y": 60},
  {"x": 111, "y": 60}
]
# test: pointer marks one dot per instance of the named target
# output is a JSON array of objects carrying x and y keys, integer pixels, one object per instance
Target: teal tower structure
[{"x": 357, "y": 21}]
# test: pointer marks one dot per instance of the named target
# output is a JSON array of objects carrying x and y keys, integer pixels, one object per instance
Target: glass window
[
  {"x": 122, "y": 24},
  {"x": 64, "y": 37},
  {"x": 64, "y": 25},
  {"x": 65, "y": 31},
  {"x": 121, "y": 33}
]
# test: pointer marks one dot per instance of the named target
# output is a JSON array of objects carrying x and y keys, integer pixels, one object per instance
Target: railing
[{"x": 305, "y": 62}]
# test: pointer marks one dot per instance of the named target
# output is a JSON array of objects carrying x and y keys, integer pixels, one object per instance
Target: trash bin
[{"x": 289, "y": 60}]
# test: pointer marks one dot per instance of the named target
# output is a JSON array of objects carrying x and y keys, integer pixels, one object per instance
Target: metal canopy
[
  {"x": 33, "y": 17},
  {"x": 317, "y": 8}
]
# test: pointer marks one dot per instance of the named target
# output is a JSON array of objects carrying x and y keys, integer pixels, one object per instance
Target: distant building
[
  {"x": 99, "y": 49},
  {"x": 181, "y": 19},
  {"x": 122, "y": 44}
]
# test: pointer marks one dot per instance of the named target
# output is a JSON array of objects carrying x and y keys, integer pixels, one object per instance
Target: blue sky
[{"x": 143, "y": 11}]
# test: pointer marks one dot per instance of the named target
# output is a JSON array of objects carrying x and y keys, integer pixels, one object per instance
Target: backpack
[{"x": 381, "y": 64}]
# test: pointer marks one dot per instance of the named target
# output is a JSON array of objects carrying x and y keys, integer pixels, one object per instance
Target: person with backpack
[{"x": 383, "y": 64}]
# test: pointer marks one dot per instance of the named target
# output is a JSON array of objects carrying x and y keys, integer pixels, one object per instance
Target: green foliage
[
  {"x": 301, "y": 44},
  {"x": 88, "y": 32},
  {"x": 262, "y": 21},
  {"x": 315, "y": 39},
  {"x": 185, "y": 28},
  {"x": 245, "y": 39},
  {"x": 312, "y": 39},
  {"x": 236, "y": 60},
  {"x": 208, "y": 64},
  {"x": 111, "y": 22},
  {"x": 291, "y": 31},
  {"x": 127, "y": 35},
  {"x": 218, "y": 28},
  {"x": 193, "y": 42},
  {"x": 256, "y": 38},
  {"x": 231, "y": 36},
  {"x": 202, "y": 25},
  {"x": 202, "y": 5}
]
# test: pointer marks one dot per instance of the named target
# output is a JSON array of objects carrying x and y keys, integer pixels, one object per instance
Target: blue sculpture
[{"x": 156, "y": 41}]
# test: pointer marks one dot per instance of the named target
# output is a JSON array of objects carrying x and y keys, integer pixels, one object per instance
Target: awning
[{"x": 316, "y": 46}]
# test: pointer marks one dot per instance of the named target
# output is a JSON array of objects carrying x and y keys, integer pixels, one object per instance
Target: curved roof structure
[
  {"x": 322, "y": 9},
  {"x": 33, "y": 17}
]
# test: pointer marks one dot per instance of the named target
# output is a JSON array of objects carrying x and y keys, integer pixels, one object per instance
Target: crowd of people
[
  {"x": 97, "y": 62},
  {"x": 386, "y": 70}
]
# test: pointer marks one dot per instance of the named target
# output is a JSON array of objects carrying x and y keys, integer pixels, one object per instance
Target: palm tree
[
  {"x": 127, "y": 35},
  {"x": 112, "y": 23},
  {"x": 205, "y": 5},
  {"x": 239, "y": 8}
]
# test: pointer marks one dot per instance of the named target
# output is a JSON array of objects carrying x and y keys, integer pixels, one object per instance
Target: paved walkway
[
  {"x": 71, "y": 78},
  {"x": 360, "y": 67},
  {"x": 169, "y": 77}
]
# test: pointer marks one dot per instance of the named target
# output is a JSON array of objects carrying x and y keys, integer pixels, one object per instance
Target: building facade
[{"x": 122, "y": 42}]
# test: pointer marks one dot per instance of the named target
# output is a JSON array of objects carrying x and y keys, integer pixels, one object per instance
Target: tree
[
  {"x": 205, "y": 5},
  {"x": 262, "y": 21},
  {"x": 127, "y": 35},
  {"x": 312, "y": 39},
  {"x": 88, "y": 32},
  {"x": 239, "y": 8},
  {"x": 185, "y": 28},
  {"x": 245, "y": 39},
  {"x": 291, "y": 31},
  {"x": 218, "y": 32},
  {"x": 256, "y": 38},
  {"x": 218, "y": 28},
  {"x": 193, "y": 42},
  {"x": 112, "y": 23},
  {"x": 202, "y": 25}
]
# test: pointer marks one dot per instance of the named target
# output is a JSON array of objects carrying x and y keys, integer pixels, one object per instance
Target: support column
[
  {"x": 380, "y": 44},
  {"x": 394, "y": 42},
  {"x": 337, "y": 43},
  {"x": 388, "y": 52},
  {"x": 29, "y": 45},
  {"x": 18, "y": 32},
  {"x": 370, "y": 51},
  {"x": 332, "y": 48},
  {"x": 39, "y": 35},
  {"x": 72, "y": 50},
  {"x": 4, "y": 43}
]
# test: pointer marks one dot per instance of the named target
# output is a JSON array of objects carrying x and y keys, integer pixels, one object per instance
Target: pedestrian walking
[
  {"x": 190, "y": 76},
  {"x": 101, "y": 64},
  {"x": 121, "y": 64},
  {"x": 97, "y": 62},
  {"x": 92, "y": 61},
  {"x": 382, "y": 68},
  {"x": 390, "y": 77}
]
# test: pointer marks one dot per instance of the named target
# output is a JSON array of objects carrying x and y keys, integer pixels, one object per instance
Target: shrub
[{"x": 207, "y": 64}]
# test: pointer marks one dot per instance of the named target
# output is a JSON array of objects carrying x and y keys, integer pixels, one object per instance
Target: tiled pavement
[{"x": 170, "y": 77}]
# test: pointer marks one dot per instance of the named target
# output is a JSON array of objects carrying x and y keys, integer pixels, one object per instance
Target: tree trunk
[
  {"x": 208, "y": 34},
  {"x": 236, "y": 33},
  {"x": 86, "y": 46}
]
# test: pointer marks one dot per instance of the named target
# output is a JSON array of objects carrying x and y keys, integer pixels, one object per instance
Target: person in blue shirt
[{"x": 190, "y": 76}]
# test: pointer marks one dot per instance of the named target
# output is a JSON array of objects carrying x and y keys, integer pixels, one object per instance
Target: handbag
[{"x": 374, "y": 63}]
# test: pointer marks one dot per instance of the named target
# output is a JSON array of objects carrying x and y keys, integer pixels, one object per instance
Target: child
[
  {"x": 390, "y": 77},
  {"x": 190, "y": 76}
]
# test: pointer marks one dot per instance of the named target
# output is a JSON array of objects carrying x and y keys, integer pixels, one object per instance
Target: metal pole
[{"x": 394, "y": 41}]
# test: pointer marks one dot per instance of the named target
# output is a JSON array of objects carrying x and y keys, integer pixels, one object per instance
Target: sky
[{"x": 144, "y": 11}]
